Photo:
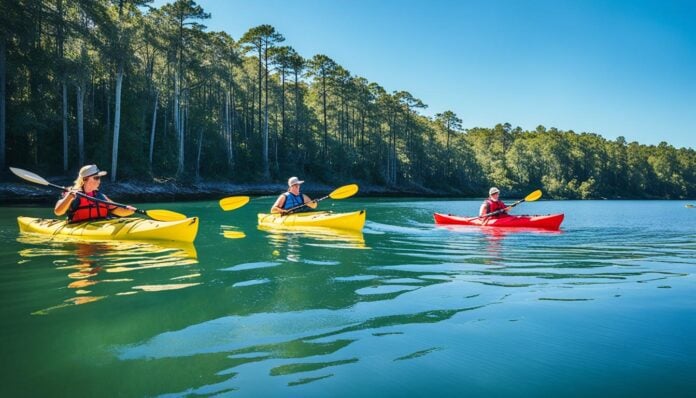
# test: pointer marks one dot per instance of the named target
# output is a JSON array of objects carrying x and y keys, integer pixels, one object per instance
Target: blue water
[{"x": 605, "y": 307}]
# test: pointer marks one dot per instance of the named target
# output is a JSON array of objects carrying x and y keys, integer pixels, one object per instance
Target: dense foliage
[{"x": 150, "y": 93}]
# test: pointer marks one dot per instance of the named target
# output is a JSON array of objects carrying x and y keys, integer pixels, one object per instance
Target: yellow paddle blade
[
  {"x": 533, "y": 196},
  {"x": 233, "y": 234},
  {"x": 345, "y": 191},
  {"x": 164, "y": 215},
  {"x": 233, "y": 202}
]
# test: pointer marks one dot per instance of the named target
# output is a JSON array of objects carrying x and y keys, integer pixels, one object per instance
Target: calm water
[{"x": 606, "y": 307}]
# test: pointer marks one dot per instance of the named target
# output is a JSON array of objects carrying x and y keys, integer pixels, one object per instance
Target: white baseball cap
[
  {"x": 294, "y": 180},
  {"x": 493, "y": 190}
]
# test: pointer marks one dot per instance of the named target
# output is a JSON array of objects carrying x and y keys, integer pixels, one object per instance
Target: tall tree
[
  {"x": 261, "y": 39},
  {"x": 3, "y": 84},
  {"x": 297, "y": 64},
  {"x": 322, "y": 68},
  {"x": 449, "y": 121},
  {"x": 283, "y": 57},
  {"x": 184, "y": 13}
]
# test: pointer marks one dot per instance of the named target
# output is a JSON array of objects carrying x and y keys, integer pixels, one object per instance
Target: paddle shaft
[
  {"x": 107, "y": 202},
  {"x": 290, "y": 210},
  {"x": 501, "y": 210}
]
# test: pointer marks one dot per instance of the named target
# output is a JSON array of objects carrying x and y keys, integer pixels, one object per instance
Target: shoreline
[{"x": 16, "y": 193}]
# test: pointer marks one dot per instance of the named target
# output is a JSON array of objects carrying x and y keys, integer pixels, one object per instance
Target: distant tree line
[{"x": 150, "y": 93}]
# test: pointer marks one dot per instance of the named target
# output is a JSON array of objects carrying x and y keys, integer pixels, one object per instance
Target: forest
[{"x": 151, "y": 94}]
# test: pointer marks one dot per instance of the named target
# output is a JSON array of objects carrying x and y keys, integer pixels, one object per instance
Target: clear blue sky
[{"x": 608, "y": 67}]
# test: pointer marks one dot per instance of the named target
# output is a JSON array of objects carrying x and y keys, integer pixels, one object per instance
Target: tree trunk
[
  {"x": 232, "y": 124},
  {"x": 266, "y": 172},
  {"x": 59, "y": 6},
  {"x": 326, "y": 130},
  {"x": 108, "y": 108},
  {"x": 65, "y": 126},
  {"x": 447, "y": 159},
  {"x": 297, "y": 110},
  {"x": 198, "y": 156},
  {"x": 282, "y": 105},
  {"x": 153, "y": 128},
  {"x": 80, "y": 123},
  {"x": 178, "y": 125},
  {"x": 3, "y": 72},
  {"x": 117, "y": 123},
  {"x": 260, "y": 87}
]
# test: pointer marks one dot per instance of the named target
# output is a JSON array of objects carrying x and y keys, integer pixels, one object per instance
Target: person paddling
[
  {"x": 292, "y": 198},
  {"x": 79, "y": 208},
  {"x": 493, "y": 203}
]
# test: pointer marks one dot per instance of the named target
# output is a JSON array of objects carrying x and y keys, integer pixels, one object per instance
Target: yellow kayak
[
  {"x": 353, "y": 221},
  {"x": 114, "y": 229}
]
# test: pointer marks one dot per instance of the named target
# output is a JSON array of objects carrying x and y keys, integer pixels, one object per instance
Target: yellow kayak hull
[
  {"x": 353, "y": 221},
  {"x": 114, "y": 229}
]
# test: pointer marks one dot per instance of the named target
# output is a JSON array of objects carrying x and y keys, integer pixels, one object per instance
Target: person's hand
[{"x": 72, "y": 193}]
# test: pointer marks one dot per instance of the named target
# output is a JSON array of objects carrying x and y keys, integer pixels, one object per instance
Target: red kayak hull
[{"x": 549, "y": 221}]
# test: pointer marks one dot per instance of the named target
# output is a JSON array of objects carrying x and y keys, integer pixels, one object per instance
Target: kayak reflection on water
[
  {"x": 93, "y": 267},
  {"x": 319, "y": 236}
]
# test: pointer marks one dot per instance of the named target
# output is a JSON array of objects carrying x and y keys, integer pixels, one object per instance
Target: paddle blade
[
  {"x": 233, "y": 202},
  {"x": 533, "y": 196},
  {"x": 164, "y": 215},
  {"x": 29, "y": 176},
  {"x": 343, "y": 192},
  {"x": 233, "y": 234}
]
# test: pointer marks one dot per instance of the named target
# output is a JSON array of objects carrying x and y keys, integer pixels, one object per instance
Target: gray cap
[
  {"x": 91, "y": 170},
  {"x": 493, "y": 190}
]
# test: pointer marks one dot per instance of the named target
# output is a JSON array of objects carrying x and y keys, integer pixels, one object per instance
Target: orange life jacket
[{"x": 83, "y": 209}]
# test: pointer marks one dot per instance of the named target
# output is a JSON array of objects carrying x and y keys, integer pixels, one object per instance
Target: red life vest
[
  {"x": 495, "y": 205},
  {"x": 83, "y": 209}
]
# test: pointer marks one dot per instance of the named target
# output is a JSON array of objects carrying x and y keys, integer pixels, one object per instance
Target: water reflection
[
  {"x": 294, "y": 237},
  {"x": 301, "y": 347},
  {"x": 494, "y": 238},
  {"x": 231, "y": 232},
  {"x": 97, "y": 270}
]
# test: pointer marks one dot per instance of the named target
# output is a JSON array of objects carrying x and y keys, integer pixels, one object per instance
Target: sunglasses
[{"x": 94, "y": 177}]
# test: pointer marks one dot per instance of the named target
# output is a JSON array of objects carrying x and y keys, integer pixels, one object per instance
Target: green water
[{"x": 606, "y": 307}]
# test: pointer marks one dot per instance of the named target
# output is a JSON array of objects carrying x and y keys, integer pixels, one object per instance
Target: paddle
[
  {"x": 233, "y": 202},
  {"x": 529, "y": 198},
  {"x": 343, "y": 192},
  {"x": 233, "y": 234},
  {"x": 160, "y": 215}
]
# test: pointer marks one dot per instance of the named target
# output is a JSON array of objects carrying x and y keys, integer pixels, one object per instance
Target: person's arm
[
  {"x": 483, "y": 210},
  {"x": 64, "y": 203},
  {"x": 120, "y": 211},
  {"x": 277, "y": 207},
  {"x": 309, "y": 202},
  {"x": 507, "y": 208}
]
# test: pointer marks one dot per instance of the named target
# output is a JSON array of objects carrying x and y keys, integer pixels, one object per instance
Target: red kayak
[{"x": 550, "y": 221}]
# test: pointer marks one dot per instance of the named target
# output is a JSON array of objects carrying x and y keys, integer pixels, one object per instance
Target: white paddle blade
[{"x": 29, "y": 176}]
